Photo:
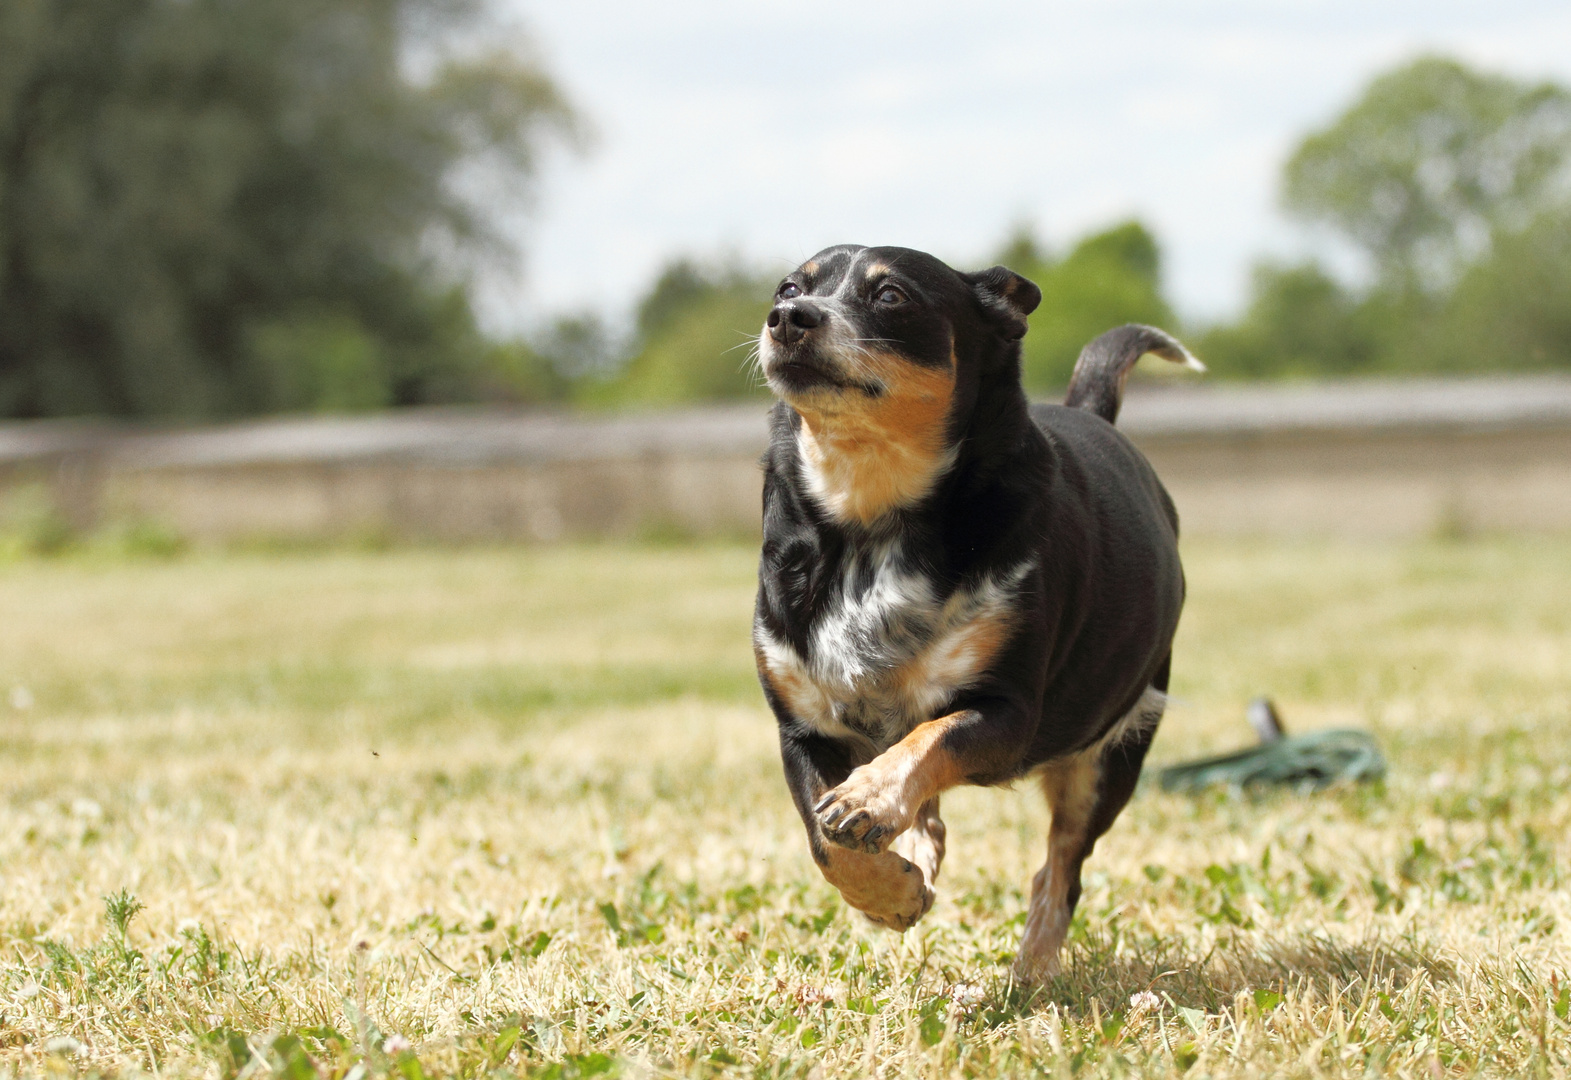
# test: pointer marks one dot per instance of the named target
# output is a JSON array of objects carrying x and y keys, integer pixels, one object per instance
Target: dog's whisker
[{"x": 753, "y": 363}]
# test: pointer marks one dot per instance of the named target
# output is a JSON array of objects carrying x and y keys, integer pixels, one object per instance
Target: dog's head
[
  {"x": 854, "y": 325},
  {"x": 875, "y": 348}
]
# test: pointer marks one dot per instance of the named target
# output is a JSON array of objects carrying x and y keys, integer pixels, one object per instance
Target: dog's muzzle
[{"x": 790, "y": 320}]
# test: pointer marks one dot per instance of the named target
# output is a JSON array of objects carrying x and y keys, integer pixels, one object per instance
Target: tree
[
  {"x": 1430, "y": 163},
  {"x": 230, "y": 206},
  {"x": 1300, "y": 321},
  {"x": 694, "y": 339},
  {"x": 1512, "y": 310},
  {"x": 1457, "y": 184},
  {"x": 1107, "y": 279}
]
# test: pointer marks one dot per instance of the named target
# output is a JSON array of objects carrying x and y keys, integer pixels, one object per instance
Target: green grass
[{"x": 427, "y": 813}]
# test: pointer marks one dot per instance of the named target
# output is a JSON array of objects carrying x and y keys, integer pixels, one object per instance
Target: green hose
[{"x": 1306, "y": 762}]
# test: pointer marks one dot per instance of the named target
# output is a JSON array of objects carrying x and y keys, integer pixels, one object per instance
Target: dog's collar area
[
  {"x": 806, "y": 401},
  {"x": 860, "y": 472},
  {"x": 804, "y": 381}
]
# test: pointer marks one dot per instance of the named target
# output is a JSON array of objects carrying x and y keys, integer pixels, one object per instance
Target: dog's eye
[
  {"x": 788, "y": 290},
  {"x": 890, "y": 295}
]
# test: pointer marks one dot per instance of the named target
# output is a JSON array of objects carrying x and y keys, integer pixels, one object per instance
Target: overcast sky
[{"x": 772, "y": 130}]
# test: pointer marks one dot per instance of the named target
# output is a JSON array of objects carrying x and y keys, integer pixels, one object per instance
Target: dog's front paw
[
  {"x": 894, "y": 893},
  {"x": 905, "y": 919},
  {"x": 865, "y": 813}
]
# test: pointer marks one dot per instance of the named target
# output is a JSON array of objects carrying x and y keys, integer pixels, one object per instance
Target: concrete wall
[
  {"x": 1359, "y": 459},
  {"x": 540, "y": 501},
  {"x": 1369, "y": 483}
]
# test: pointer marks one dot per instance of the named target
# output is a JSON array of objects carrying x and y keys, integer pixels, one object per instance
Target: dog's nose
[{"x": 790, "y": 320}]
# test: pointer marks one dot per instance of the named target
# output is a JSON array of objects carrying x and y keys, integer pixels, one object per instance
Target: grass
[{"x": 429, "y": 813}]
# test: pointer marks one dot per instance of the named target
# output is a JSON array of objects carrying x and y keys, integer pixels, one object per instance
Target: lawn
[{"x": 445, "y": 812}]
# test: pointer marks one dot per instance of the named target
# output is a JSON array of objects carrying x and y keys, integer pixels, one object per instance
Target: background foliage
[
  {"x": 693, "y": 339},
  {"x": 1453, "y": 188},
  {"x": 231, "y": 206},
  {"x": 1106, "y": 279},
  {"x": 219, "y": 207}
]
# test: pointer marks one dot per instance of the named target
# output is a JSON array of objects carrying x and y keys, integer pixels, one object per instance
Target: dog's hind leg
[
  {"x": 1085, "y": 793},
  {"x": 1073, "y": 788}
]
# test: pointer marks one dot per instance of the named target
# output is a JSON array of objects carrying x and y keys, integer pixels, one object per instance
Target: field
[{"x": 438, "y": 813}]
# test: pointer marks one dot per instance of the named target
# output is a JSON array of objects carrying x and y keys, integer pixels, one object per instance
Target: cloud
[{"x": 772, "y": 130}]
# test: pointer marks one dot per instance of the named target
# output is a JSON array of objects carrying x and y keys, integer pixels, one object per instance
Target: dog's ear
[{"x": 1006, "y": 298}]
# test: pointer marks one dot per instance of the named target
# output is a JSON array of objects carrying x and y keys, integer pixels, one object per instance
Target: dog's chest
[{"x": 888, "y": 648}]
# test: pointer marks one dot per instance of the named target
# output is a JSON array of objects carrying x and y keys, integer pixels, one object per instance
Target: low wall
[{"x": 1356, "y": 459}]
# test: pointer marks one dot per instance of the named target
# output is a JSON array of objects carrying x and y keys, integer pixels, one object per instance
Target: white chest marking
[{"x": 889, "y": 651}]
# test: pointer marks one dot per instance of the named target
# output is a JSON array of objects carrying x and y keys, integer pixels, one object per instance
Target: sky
[{"x": 764, "y": 132}]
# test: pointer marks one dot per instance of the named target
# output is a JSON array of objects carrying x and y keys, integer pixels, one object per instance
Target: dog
[{"x": 954, "y": 588}]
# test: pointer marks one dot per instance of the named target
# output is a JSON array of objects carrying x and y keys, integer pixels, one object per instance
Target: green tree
[
  {"x": 694, "y": 340},
  {"x": 230, "y": 206},
  {"x": 1300, "y": 321},
  {"x": 1429, "y": 163},
  {"x": 1511, "y": 311},
  {"x": 1107, "y": 279},
  {"x": 1455, "y": 184}
]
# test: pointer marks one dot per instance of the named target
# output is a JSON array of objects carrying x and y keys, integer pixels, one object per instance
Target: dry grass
[{"x": 520, "y": 809}]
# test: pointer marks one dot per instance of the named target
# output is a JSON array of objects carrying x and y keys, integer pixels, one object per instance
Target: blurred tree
[
  {"x": 229, "y": 206},
  {"x": 1512, "y": 309},
  {"x": 695, "y": 339},
  {"x": 1456, "y": 184},
  {"x": 1300, "y": 321},
  {"x": 581, "y": 348},
  {"x": 681, "y": 284},
  {"x": 1430, "y": 162},
  {"x": 1107, "y": 279}
]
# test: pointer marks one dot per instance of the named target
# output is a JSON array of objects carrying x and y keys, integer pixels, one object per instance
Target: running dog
[{"x": 954, "y": 588}]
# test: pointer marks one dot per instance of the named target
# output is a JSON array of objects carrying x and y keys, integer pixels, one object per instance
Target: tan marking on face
[
  {"x": 810, "y": 268},
  {"x": 865, "y": 455},
  {"x": 876, "y": 270}
]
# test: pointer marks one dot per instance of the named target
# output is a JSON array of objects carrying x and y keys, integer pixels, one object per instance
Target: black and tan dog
[{"x": 952, "y": 589}]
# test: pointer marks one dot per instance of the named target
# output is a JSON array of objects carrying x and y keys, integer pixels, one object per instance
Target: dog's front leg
[
  {"x": 923, "y": 842},
  {"x": 888, "y": 888},
  {"x": 880, "y": 800}
]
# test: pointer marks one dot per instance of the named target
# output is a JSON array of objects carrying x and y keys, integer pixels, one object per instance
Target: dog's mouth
[{"x": 799, "y": 372}]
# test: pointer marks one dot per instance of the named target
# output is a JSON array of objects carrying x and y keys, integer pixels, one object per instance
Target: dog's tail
[{"x": 1098, "y": 381}]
